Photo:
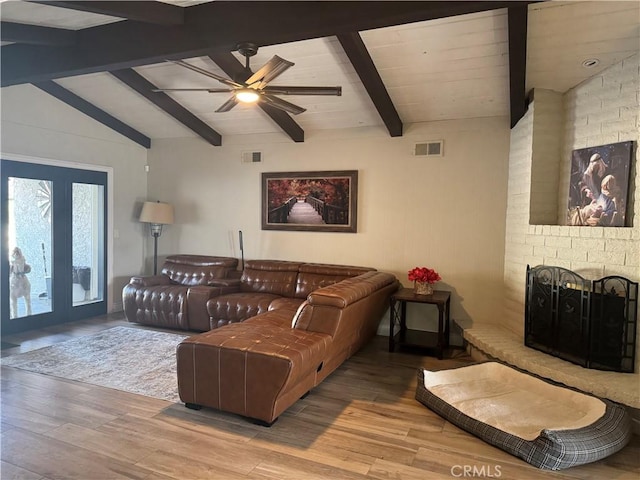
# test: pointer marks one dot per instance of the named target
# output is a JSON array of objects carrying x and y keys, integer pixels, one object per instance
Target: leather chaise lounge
[
  {"x": 276, "y": 333},
  {"x": 259, "y": 367}
]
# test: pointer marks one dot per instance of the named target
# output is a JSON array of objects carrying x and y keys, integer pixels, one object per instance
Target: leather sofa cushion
[
  {"x": 193, "y": 270},
  {"x": 280, "y": 318},
  {"x": 237, "y": 307},
  {"x": 286, "y": 305},
  {"x": 270, "y": 276}
]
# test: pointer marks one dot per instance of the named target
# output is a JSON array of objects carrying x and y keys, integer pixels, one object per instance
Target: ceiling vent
[
  {"x": 433, "y": 148},
  {"x": 251, "y": 157}
]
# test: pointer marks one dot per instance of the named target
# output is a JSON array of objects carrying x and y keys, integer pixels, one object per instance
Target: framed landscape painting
[
  {"x": 310, "y": 201},
  {"x": 599, "y": 185}
]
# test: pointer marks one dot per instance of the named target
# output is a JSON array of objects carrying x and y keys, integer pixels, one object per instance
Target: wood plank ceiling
[{"x": 397, "y": 62}]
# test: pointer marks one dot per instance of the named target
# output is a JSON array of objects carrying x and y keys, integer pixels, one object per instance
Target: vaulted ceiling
[{"x": 397, "y": 62}]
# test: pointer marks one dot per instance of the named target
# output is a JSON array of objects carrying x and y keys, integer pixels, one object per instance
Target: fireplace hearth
[{"x": 589, "y": 323}]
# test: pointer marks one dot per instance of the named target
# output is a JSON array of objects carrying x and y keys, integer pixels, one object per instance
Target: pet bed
[{"x": 551, "y": 427}]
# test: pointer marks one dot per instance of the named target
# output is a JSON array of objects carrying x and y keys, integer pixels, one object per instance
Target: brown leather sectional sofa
[{"x": 274, "y": 333}]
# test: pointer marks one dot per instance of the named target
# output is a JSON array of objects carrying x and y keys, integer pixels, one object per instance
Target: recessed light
[{"x": 590, "y": 62}]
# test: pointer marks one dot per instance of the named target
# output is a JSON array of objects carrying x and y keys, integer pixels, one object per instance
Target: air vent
[
  {"x": 429, "y": 149},
  {"x": 251, "y": 157}
]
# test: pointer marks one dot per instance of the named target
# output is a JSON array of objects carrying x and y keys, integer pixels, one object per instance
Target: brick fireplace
[{"x": 602, "y": 110}]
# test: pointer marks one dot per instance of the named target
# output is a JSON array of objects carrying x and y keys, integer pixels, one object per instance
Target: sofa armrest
[
  {"x": 197, "y": 298},
  {"x": 351, "y": 290},
  {"x": 136, "y": 288},
  {"x": 330, "y": 309},
  {"x": 149, "y": 281}
]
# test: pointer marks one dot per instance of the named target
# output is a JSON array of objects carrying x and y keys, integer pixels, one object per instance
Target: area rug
[{"x": 124, "y": 358}]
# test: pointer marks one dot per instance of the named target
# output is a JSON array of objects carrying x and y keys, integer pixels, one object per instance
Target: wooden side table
[{"x": 418, "y": 338}]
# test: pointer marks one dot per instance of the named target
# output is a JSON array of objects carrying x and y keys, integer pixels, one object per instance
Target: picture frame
[
  {"x": 324, "y": 201},
  {"x": 599, "y": 185}
]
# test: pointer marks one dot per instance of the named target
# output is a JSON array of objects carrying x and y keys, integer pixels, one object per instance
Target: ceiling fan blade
[
  {"x": 207, "y": 73},
  {"x": 270, "y": 70},
  {"x": 286, "y": 90},
  {"x": 281, "y": 104},
  {"x": 210, "y": 90},
  {"x": 228, "y": 105}
]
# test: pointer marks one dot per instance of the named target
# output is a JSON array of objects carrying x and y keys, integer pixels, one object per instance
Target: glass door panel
[
  {"x": 56, "y": 218},
  {"x": 29, "y": 246},
  {"x": 88, "y": 243}
]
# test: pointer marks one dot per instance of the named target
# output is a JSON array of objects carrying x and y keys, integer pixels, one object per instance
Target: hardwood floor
[{"x": 361, "y": 423}]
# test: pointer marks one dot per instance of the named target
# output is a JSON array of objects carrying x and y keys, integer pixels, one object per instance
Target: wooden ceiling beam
[
  {"x": 216, "y": 26},
  {"x": 359, "y": 56},
  {"x": 144, "y": 87},
  {"x": 109, "y": 47},
  {"x": 36, "y": 34},
  {"x": 277, "y": 22},
  {"x": 89, "y": 109},
  {"x": 142, "y": 11},
  {"x": 235, "y": 69},
  {"x": 517, "y": 19}
]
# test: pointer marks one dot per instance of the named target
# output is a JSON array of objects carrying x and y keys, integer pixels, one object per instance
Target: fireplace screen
[{"x": 590, "y": 323}]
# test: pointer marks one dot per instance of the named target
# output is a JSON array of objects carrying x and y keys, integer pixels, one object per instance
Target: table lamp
[{"x": 156, "y": 214}]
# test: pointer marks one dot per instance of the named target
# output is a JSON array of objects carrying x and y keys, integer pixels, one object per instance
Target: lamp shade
[{"x": 157, "y": 212}]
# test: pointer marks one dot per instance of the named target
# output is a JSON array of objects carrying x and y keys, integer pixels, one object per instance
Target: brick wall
[
  {"x": 547, "y": 145},
  {"x": 601, "y": 110}
]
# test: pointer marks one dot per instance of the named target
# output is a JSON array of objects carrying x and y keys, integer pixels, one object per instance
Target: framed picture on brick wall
[{"x": 599, "y": 185}]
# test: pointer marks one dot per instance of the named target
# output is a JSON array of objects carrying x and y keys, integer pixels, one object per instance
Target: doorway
[{"x": 53, "y": 266}]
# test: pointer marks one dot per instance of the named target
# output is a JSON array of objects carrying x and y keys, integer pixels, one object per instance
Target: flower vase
[{"x": 422, "y": 288}]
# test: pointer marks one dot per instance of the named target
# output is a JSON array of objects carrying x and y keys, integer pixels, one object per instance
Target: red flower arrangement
[{"x": 424, "y": 274}]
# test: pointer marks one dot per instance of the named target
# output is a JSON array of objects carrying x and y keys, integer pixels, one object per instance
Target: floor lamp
[{"x": 156, "y": 214}]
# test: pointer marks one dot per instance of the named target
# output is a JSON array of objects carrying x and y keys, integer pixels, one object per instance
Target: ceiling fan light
[{"x": 247, "y": 95}]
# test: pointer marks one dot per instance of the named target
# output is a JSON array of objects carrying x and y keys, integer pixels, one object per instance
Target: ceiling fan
[{"x": 255, "y": 88}]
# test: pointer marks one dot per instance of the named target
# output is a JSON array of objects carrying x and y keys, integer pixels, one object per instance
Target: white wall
[
  {"x": 39, "y": 127},
  {"x": 602, "y": 110},
  {"x": 445, "y": 213}
]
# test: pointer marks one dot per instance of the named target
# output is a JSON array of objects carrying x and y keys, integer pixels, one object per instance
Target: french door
[{"x": 53, "y": 266}]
